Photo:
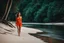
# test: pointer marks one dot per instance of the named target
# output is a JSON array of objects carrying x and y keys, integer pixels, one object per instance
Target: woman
[{"x": 19, "y": 22}]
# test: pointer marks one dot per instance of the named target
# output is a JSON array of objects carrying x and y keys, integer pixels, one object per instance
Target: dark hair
[{"x": 17, "y": 14}]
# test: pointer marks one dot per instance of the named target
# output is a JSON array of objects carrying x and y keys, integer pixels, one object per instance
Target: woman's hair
[{"x": 17, "y": 14}]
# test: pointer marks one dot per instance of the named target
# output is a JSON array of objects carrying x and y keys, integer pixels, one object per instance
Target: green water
[{"x": 51, "y": 29}]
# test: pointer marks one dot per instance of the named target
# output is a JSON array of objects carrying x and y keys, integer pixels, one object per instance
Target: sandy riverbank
[{"x": 9, "y": 35}]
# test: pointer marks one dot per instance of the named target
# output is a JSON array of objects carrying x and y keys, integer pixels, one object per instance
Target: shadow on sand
[{"x": 7, "y": 31}]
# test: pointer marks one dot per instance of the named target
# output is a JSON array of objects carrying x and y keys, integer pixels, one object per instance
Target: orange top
[{"x": 19, "y": 21}]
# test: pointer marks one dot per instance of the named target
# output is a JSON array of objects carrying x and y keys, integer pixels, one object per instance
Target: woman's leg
[{"x": 19, "y": 30}]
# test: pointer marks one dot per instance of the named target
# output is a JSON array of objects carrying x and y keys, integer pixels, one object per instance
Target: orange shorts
[{"x": 19, "y": 24}]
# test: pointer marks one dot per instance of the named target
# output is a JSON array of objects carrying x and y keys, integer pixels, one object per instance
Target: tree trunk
[
  {"x": 9, "y": 9},
  {"x": 6, "y": 10},
  {"x": 4, "y": 19}
]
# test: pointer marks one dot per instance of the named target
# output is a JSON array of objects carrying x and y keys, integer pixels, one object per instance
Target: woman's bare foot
[{"x": 18, "y": 34}]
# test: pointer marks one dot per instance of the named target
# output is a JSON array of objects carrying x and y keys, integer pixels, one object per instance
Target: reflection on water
[{"x": 53, "y": 30}]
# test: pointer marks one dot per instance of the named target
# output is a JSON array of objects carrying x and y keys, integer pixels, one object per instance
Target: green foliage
[{"x": 41, "y": 10}]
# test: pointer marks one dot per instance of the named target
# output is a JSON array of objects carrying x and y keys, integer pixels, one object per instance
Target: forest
[{"x": 40, "y": 11}]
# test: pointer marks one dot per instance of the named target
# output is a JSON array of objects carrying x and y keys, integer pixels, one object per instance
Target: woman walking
[{"x": 19, "y": 22}]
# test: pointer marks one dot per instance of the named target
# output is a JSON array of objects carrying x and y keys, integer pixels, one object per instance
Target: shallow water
[{"x": 53, "y": 30}]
